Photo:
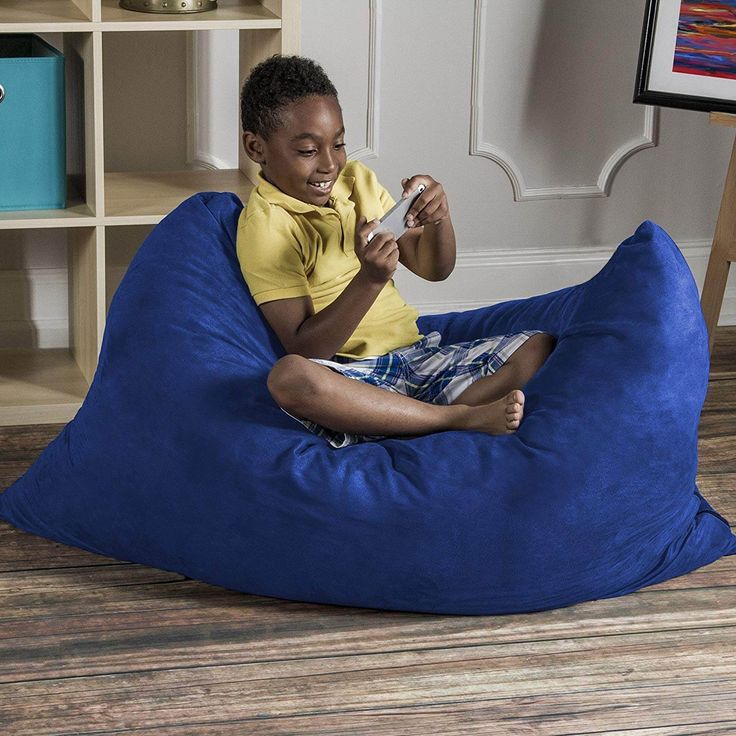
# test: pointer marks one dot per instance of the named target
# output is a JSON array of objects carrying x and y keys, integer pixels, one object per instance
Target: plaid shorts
[{"x": 424, "y": 371}]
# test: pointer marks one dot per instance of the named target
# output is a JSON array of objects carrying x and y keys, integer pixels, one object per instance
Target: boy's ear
[{"x": 253, "y": 145}]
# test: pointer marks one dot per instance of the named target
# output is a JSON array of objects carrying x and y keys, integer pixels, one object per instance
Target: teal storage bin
[{"x": 32, "y": 124}]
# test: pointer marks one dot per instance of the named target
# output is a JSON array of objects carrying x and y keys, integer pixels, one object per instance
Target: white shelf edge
[
  {"x": 67, "y": 222},
  {"x": 162, "y": 25}
]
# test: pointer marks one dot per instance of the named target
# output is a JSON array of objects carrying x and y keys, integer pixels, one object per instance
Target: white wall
[
  {"x": 556, "y": 95},
  {"x": 551, "y": 110},
  {"x": 555, "y": 90}
]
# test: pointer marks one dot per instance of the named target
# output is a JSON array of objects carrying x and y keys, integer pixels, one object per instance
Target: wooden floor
[{"x": 90, "y": 645}]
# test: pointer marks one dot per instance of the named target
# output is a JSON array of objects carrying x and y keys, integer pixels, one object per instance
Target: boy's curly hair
[{"x": 273, "y": 84}]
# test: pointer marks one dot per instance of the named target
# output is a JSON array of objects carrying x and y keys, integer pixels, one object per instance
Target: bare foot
[{"x": 499, "y": 417}]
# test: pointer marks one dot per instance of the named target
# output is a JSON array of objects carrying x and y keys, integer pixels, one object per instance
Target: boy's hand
[
  {"x": 379, "y": 258},
  {"x": 430, "y": 206}
]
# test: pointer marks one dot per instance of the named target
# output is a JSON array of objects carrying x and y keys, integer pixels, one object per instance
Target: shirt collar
[{"x": 341, "y": 192}]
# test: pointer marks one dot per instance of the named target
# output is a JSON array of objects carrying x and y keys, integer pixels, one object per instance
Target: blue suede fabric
[{"x": 180, "y": 459}]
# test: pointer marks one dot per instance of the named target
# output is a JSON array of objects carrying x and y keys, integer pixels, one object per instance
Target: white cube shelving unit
[{"x": 46, "y": 385}]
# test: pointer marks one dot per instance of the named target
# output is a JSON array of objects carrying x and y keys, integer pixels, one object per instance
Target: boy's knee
[
  {"x": 289, "y": 379},
  {"x": 283, "y": 375}
]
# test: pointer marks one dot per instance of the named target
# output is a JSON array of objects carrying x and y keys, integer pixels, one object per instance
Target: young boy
[{"x": 356, "y": 367}]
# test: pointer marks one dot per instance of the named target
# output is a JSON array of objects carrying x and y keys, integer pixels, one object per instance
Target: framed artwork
[{"x": 688, "y": 55}]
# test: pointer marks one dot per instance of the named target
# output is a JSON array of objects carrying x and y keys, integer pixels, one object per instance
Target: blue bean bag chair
[{"x": 180, "y": 459}]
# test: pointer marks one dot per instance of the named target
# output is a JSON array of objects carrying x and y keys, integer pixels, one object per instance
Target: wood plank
[
  {"x": 86, "y": 284},
  {"x": 39, "y": 385},
  {"x": 77, "y": 214},
  {"x": 717, "y": 427},
  {"x": 721, "y": 395},
  {"x": 565, "y": 713},
  {"x": 596, "y": 667},
  {"x": 146, "y": 197},
  {"x": 722, "y": 252},
  {"x": 720, "y": 490},
  {"x": 22, "y": 444},
  {"x": 227, "y": 14},
  {"x": 717, "y": 453},
  {"x": 105, "y": 619},
  {"x": 20, "y": 552},
  {"x": 723, "y": 360},
  {"x": 386, "y": 723},
  {"x": 723, "y": 118},
  {"x": 39, "y": 11}
]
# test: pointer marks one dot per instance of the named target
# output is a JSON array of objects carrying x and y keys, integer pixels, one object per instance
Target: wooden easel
[{"x": 723, "y": 250}]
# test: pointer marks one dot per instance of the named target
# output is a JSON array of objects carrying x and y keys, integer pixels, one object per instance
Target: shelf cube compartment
[
  {"x": 33, "y": 124},
  {"x": 51, "y": 322}
]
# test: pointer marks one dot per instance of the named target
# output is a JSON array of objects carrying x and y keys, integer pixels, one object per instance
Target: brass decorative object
[{"x": 169, "y": 6}]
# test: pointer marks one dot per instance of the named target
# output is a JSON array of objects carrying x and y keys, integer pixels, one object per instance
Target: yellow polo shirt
[{"x": 289, "y": 248}]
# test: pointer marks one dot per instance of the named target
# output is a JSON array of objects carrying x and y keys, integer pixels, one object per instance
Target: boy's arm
[
  {"x": 321, "y": 335},
  {"x": 429, "y": 249}
]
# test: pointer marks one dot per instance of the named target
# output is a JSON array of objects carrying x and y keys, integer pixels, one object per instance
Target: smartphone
[{"x": 394, "y": 219}]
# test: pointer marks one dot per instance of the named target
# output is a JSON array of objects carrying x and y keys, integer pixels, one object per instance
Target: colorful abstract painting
[{"x": 706, "y": 39}]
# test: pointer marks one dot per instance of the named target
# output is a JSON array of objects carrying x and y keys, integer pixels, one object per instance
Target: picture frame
[{"x": 687, "y": 57}]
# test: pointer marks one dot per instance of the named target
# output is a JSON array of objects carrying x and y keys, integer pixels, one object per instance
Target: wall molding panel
[
  {"x": 522, "y": 191},
  {"x": 370, "y": 149}
]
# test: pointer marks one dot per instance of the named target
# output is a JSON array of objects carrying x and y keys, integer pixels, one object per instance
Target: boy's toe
[{"x": 513, "y": 409}]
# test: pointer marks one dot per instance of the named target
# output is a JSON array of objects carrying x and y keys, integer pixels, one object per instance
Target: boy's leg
[
  {"x": 315, "y": 392},
  {"x": 514, "y": 373}
]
